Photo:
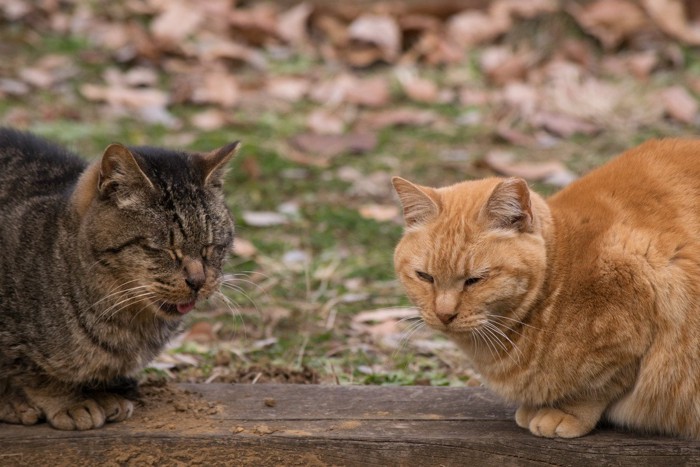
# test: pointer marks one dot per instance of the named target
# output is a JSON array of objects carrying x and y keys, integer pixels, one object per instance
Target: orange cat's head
[{"x": 473, "y": 254}]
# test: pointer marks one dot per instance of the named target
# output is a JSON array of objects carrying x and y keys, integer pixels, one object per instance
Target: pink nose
[{"x": 446, "y": 317}]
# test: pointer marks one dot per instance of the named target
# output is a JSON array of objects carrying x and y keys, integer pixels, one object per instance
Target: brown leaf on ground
[
  {"x": 416, "y": 88},
  {"x": 369, "y": 92},
  {"x": 398, "y": 117},
  {"x": 201, "y": 332},
  {"x": 244, "y": 248},
  {"x": 379, "y": 212},
  {"x": 216, "y": 87},
  {"x": 257, "y": 24},
  {"x": 670, "y": 16},
  {"x": 610, "y": 21},
  {"x": 288, "y": 88},
  {"x": 208, "y": 120},
  {"x": 502, "y": 65},
  {"x": 325, "y": 122},
  {"x": 563, "y": 125},
  {"x": 470, "y": 28},
  {"x": 679, "y": 104},
  {"x": 211, "y": 48},
  {"x": 553, "y": 172},
  {"x": 292, "y": 24},
  {"x": 333, "y": 145},
  {"x": 177, "y": 20},
  {"x": 379, "y": 30},
  {"x": 130, "y": 98}
]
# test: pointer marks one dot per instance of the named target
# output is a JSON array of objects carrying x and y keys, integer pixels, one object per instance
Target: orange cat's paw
[
  {"x": 524, "y": 415},
  {"x": 84, "y": 415},
  {"x": 553, "y": 423}
]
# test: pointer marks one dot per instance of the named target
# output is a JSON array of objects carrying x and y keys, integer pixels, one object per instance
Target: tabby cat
[
  {"x": 98, "y": 265},
  {"x": 581, "y": 307}
]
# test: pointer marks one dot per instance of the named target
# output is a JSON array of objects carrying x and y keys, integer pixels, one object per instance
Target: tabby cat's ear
[
  {"x": 119, "y": 166},
  {"x": 418, "y": 204},
  {"x": 509, "y": 206},
  {"x": 213, "y": 164}
]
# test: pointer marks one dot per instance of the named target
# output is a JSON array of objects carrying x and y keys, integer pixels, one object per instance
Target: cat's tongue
[{"x": 184, "y": 308}]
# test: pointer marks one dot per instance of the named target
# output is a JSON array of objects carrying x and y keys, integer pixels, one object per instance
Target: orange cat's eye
[
  {"x": 425, "y": 277},
  {"x": 471, "y": 281}
]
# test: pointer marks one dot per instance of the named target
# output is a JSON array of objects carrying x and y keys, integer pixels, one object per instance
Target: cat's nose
[
  {"x": 446, "y": 317},
  {"x": 194, "y": 274}
]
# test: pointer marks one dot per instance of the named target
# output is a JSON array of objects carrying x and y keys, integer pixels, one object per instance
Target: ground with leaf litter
[{"x": 331, "y": 99}]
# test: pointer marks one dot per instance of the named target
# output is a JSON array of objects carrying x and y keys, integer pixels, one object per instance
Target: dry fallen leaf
[
  {"x": 679, "y": 104},
  {"x": 178, "y": 20},
  {"x": 670, "y": 17},
  {"x": 263, "y": 218},
  {"x": 244, "y": 248},
  {"x": 470, "y": 28},
  {"x": 610, "y": 21},
  {"x": 369, "y": 92},
  {"x": 325, "y": 122},
  {"x": 417, "y": 88},
  {"x": 333, "y": 145},
  {"x": 287, "y": 88},
  {"x": 398, "y": 117},
  {"x": 502, "y": 65},
  {"x": 379, "y": 212},
  {"x": 217, "y": 87},
  {"x": 379, "y": 30},
  {"x": 292, "y": 24},
  {"x": 553, "y": 172},
  {"x": 208, "y": 120},
  {"x": 563, "y": 125}
]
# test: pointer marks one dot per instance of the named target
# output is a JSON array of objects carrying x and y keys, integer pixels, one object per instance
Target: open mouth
[{"x": 177, "y": 308}]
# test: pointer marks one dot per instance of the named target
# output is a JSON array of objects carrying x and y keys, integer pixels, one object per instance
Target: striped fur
[{"x": 98, "y": 264}]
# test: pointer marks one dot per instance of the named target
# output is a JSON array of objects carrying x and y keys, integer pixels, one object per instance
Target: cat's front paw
[
  {"x": 15, "y": 409},
  {"x": 116, "y": 408},
  {"x": 83, "y": 415},
  {"x": 553, "y": 423},
  {"x": 92, "y": 413}
]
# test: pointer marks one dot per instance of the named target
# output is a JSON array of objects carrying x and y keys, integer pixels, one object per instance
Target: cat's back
[
  {"x": 655, "y": 185},
  {"x": 33, "y": 167}
]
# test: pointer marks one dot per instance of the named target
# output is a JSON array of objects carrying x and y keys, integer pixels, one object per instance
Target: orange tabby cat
[{"x": 581, "y": 307}]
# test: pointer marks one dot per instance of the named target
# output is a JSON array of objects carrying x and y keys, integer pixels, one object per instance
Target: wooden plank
[{"x": 221, "y": 424}]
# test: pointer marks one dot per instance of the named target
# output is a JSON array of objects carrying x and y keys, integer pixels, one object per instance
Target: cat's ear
[
  {"x": 213, "y": 164},
  {"x": 119, "y": 166},
  {"x": 418, "y": 204},
  {"x": 509, "y": 206}
]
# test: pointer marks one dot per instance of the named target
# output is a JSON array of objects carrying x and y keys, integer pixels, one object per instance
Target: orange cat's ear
[
  {"x": 509, "y": 206},
  {"x": 119, "y": 166},
  {"x": 213, "y": 164},
  {"x": 418, "y": 205}
]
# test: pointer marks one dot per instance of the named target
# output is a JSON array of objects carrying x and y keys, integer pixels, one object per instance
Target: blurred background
[{"x": 331, "y": 99}]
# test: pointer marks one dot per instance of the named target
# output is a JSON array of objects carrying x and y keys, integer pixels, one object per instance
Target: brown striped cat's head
[
  {"x": 473, "y": 253},
  {"x": 154, "y": 226}
]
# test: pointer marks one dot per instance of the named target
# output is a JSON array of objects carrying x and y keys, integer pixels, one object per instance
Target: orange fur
[{"x": 579, "y": 307}]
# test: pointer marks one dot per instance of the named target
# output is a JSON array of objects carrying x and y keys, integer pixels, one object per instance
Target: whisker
[
  {"x": 233, "y": 309},
  {"x": 239, "y": 290},
  {"x": 122, "y": 304},
  {"x": 491, "y": 329},
  {"x": 516, "y": 321}
]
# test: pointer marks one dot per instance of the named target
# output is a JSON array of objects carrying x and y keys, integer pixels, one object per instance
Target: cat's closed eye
[
  {"x": 471, "y": 281},
  {"x": 425, "y": 277}
]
